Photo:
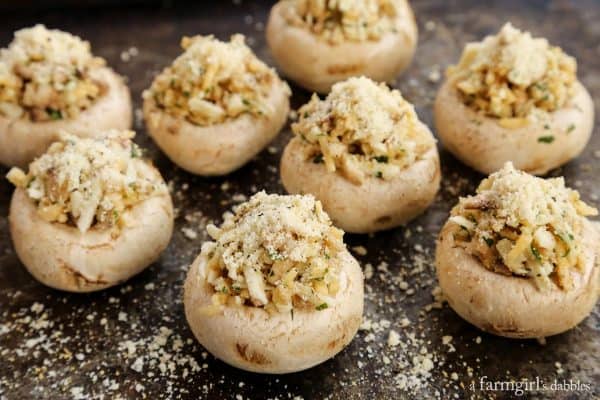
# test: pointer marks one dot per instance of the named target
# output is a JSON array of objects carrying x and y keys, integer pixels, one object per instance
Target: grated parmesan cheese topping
[
  {"x": 362, "y": 129},
  {"x": 340, "y": 20},
  {"x": 45, "y": 75},
  {"x": 276, "y": 252},
  {"x": 510, "y": 74},
  {"x": 519, "y": 224},
  {"x": 89, "y": 182},
  {"x": 214, "y": 81}
]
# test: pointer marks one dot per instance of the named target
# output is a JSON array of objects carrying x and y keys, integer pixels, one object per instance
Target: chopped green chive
[
  {"x": 54, "y": 114},
  {"x": 566, "y": 242},
  {"x": 489, "y": 241},
  {"x": 546, "y": 139},
  {"x": 321, "y": 307},
  {"x": 135, "y": 151},
  {"x": 467, "y": 231},
  {"x": 536, "y": 253},
  {"x": 275, "y": 256},
  {"x": 571, "y": 128}
]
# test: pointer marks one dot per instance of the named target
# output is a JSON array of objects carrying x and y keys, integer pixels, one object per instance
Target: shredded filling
[
  {"x": 522, "y": 225},
  {"x": 214, "y": 81},
  {"x": 510, "y": 74},
  {"x": 340, "y": 20},
  {"x": 274, "y": 252},
  {"x": 89, "y": 182},
  {"x": 362, "y": 129},
  {"x": 45, "y": 75}
]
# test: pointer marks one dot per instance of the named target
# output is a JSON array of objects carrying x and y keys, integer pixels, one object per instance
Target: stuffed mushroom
[
  {"x": 51, "y": 82},
  {"x": 363, "y": 152},
  {"x": 519, "y": 258},
  {"x": 89, "y": 213},
  {"x": 318, "y": 43},
  {"x": 514, "y": 98},
  {"x": 276, "y": 291},
  {"x": 216, "y": 106}
]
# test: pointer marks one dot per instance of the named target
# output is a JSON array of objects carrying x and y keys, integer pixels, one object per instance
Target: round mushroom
[
  {"x": 51, "y": 82},
  {"x": 514, "y": 98},
  {"x": 520, "y": 259},
  {"x": 276, "y": 291},
  {"x": 363, "y": 152},
  {"x": 216, "y": 106},
  {"x": 89, "y": 213},
  {"x": 319, "y": 43}
]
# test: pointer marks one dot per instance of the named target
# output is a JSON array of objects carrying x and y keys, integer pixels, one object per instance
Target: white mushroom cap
[
  {"x": 316, "y": 65},
  {"x": 252, "y": 339},
  {"x": 374, "y": 205},
  {"x": 513, "y": 306},
  {"x": 483, "y": 144},
  {"x": 23, "y": 140},
  {"x": 63, "y": 257},
  {"x": 221, "y": 148}
]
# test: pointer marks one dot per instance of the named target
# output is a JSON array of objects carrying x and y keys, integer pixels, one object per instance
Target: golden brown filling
[
  {"x": 518, "y": 224},
  {"x": 46, "y": 75},
  {"x": 362, "y": 129},
  {"x": 340, "y": 20},
  {"x": 510, "y": 74},
  {"x": 275, "y": 252},
  {"x": 89, "y": 182},
  {"x": 214, "y": 81}
]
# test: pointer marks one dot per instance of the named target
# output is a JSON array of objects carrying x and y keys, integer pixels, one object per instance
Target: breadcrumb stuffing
[
  {"x": 46, "y": 75},
  {"x": 352, "y": 20},
  {"x": 362, "y": 129},
  {"x": 89, "y": 182},
  {"x": 276, "y": 252},
  {"x": 214, "y": 81},
  {"x": 510, "y": 74},
  {"x": 524, "y": 225}
]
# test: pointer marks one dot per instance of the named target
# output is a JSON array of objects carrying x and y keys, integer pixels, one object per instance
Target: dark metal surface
[{"x": 132, "y": 341}]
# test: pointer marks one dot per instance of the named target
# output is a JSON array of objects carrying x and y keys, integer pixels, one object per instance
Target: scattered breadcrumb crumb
[
  {"x": 189, "y": 233},
  {"x": 430, "y": 26},
  {"x": 393, "y": 338},
  {"x": 360, "y": 250}
]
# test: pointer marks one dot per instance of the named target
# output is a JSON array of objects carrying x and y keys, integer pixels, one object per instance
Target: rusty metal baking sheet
[{"x": 132, "y": 341}]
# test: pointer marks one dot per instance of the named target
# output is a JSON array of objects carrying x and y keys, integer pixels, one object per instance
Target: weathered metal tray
[{"x": 132, "y": 341}]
